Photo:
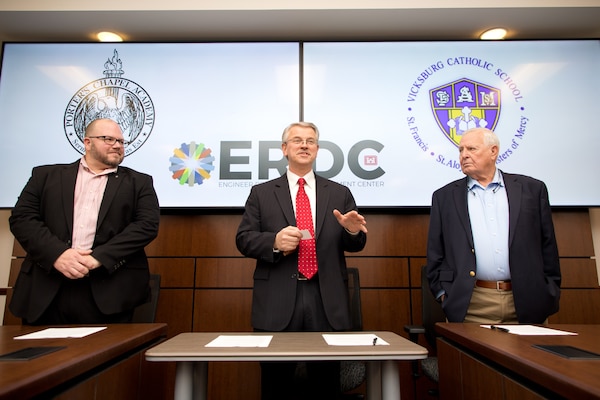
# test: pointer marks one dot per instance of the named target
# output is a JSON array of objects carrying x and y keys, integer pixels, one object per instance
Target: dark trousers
[
  {"x": 74, "y": 304},
  {"x": 318, "y": 380}
]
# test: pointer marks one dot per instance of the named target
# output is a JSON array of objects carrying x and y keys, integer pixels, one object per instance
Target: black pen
[
  {"x": 501, "y": 329},
  {"x": 374, "y": 341}
]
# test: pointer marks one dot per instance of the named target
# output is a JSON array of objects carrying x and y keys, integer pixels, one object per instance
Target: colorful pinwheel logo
[{"x": 191, "y": 164}]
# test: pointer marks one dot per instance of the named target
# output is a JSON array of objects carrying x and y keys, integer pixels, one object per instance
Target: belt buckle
[
  {"x": 498, "y": 285},
  {"x": 302, "y": 277}
]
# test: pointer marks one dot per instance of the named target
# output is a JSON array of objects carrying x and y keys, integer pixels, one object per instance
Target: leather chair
[
  {"x": 352, "y": 373},
  {"x": 431, "y": 313},
  {"x": 146, "y": 313}
]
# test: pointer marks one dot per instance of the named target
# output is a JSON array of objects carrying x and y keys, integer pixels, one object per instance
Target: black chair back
[
  {"x": 146, "y": 313},
  {"x": 432, "y": 311},
  {"x": 355, "y": 303}
]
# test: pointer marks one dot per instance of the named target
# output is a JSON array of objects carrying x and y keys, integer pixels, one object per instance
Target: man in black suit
[
  {"x": 84, "y": 227},
  {"x": 284, "y": 299},
  {"x": 492, "y": 255}
]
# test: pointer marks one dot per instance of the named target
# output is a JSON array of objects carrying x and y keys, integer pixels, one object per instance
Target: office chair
[
  {"x": 146, "y": 313},
  {"x": 352, "y": 373},
  {"x": 431, "y": 313}
]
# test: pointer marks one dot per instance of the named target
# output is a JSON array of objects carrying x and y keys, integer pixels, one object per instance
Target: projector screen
[{"x": 205, "y": 119}]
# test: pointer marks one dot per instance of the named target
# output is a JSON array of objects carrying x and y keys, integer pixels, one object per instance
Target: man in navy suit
[
  {"x": 491, "y": 254},
  {"x": 84, "y": 227},
  {"x": 284, "y": 299}
]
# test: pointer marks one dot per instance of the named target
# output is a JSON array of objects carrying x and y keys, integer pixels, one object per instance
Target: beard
[{"x": 111, "y": 160}]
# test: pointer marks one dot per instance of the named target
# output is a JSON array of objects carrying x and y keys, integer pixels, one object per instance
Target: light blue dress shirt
[{"x": 488, "y": 212}]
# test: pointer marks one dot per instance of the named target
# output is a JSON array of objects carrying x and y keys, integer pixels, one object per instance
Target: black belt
[{"x": 301, "y": 277}]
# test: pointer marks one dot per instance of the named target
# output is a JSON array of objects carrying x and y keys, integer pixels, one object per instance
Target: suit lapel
[
  {"x": 284, "y": 199},
  {"x": 322, "y": 194},
  {"x": 459, "y": 197},
  {"x": 68, "y": 181},
  {"x": 112, "y": 186},
  {"x": 514, "y": 191}
]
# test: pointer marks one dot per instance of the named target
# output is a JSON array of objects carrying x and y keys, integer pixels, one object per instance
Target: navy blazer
[
  {"x": 42, "y": 222},
  {"x": 533, "y": 253},
  {"x": 268, "y": 210}
]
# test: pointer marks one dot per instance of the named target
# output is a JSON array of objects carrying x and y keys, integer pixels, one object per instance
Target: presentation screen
[
  {"x": 395, "y": 113},
  {"x": 205, "y": 119},
  {"x": 199, "y": 115}
]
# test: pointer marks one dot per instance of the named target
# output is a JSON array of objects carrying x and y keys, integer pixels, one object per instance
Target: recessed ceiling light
[
  {"x": 493, "y": 34},
  {"x": 109, "y": 37}
]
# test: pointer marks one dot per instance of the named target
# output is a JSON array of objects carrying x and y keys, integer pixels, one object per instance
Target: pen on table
[
  {"x": 374, "y": 341},
  {"x": 501, "y": 329}
]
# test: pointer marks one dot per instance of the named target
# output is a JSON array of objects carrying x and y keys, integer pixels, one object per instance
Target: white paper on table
[
  {"x": 354, "y": 339},
  {"x": 57, "y": 333},
  {"x": 529, "y": 330},
  {"x": 241, "y": 341}
]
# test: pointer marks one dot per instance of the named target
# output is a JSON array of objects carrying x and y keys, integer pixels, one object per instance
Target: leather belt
[
  {"x": 301, "y": 277},
  {"x": 503, "y": 286}
]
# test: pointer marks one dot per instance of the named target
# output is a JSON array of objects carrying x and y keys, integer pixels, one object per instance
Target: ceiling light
[
  {"x": 493, "y": 34},
  {"x": 109, "y": 37}
]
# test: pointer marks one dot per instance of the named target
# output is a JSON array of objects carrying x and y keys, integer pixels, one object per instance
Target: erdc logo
[
  {"x": 462, "y": 104},
  {"x": 112, "y": 97}
]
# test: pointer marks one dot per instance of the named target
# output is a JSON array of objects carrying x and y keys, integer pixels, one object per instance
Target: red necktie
[{"x": 307, "y": 253}]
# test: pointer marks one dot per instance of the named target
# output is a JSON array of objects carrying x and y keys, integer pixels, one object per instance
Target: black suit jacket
[
  {"x": 533, "y": 253},
  {"x": 42, "y": 222},
  {"x": 268, "y": 210}
]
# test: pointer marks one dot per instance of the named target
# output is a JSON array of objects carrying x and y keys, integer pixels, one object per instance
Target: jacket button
[{"x": 472, "y": 273}]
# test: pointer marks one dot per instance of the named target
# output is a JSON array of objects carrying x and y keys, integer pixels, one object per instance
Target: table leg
[
  {"x": 184, "y": 380},
  {"x": 374, "y": 380},
  {"x": 390, "y": 380},
  {"x": 201, "y": 381},
  {"x": 191, "y": 380}
]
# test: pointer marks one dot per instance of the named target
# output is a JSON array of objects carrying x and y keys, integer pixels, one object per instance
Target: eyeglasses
[
  {"x": 110, "y": 140},
  {"x": 298, "y": 141}
]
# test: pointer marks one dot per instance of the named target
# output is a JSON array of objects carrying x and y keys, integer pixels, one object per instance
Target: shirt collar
[
  {"x": 86, "y": 167},
  {"x": 497, "y": 181},
  {"x": 309, "y": 179}
]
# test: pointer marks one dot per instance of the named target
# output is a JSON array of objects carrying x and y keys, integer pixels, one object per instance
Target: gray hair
[
  {"x": 489, "y": 137},
  {"x": 286, "y": 131}
]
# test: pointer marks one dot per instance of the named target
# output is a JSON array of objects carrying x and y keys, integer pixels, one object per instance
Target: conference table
[
  {"x": 475, "y": 361},
  {"x": 75, "y": 361},
  {"x": 191, "y": 353}
]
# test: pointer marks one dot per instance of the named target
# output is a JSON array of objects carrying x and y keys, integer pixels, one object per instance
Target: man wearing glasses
[
  {"x": 84, "y": 227},
  {"x": 296, "y": 214}
]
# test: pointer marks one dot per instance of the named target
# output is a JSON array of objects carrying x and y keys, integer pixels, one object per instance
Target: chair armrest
[{"x": 414, "y": 331}]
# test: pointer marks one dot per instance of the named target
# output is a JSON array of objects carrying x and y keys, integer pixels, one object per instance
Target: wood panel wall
[{"x": 207, "y": 285}]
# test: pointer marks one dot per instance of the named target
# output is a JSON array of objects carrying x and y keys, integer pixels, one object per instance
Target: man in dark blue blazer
[
  {"x": 283, "y": 299},
  {"x": 491, "y": 254},
  {"x": 84, "y": 227}
]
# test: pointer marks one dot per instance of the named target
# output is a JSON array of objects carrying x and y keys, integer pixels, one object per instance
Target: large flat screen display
[{"x": 205, "y": 119}]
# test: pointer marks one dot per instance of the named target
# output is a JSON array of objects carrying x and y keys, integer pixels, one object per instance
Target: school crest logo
[
  {"x": 464, "y": 104},
  {"x": 113, "y": 97},
  {"x": 438, "y": 114}
]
